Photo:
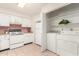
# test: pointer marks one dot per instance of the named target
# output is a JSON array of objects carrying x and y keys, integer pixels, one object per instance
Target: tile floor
[{"x": 27, "y": 50}]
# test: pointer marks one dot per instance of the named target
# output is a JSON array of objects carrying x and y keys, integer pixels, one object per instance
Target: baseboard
[
  {"x": 5, "y": 49},
  {"x": 37, "y": 44},
  {"x": 28, "y": 43},
  {"x": 54, "y": 52}
]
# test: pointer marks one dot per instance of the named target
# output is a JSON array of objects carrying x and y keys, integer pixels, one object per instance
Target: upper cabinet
[
  {"x": 18, "y": 20},
  {"x": 15, "y": 20},
  {"x": 26, "y": 23},
  {"x": 4, "y": 20},
  {"x": 12, "y": 20}
]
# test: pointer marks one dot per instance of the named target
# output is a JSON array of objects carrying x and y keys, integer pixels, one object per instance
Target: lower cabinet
[
  {"x": 15, "y": 39},
  {"x": 51, "y": 42},
  {"x": 28, "y": 38},
  {"x": 4, "y": 42},
  {"x": 66, "y": 48},
  {"x": 16, "y": 45},
  {"x": 63, "y": 44}
]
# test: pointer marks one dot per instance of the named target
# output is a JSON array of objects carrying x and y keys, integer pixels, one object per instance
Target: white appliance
[{"x": 16, "y": 38}]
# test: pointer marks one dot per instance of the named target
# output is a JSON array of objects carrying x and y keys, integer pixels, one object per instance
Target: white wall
[{"x": 53, "y": 6}]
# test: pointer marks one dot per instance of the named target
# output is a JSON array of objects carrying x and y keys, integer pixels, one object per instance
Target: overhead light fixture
[{"x": 21, "y": 5}]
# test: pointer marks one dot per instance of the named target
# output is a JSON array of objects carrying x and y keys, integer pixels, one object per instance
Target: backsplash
[
  {"x": 19, "y": 26},
  {"x": 26, "y": 29},
  {"x": 4, "y": 29}
]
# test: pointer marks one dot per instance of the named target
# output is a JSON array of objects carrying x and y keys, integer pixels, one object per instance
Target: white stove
[{"x": 16, "y": 38}]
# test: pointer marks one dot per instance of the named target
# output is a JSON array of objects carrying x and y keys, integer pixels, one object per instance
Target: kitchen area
[
  {"x": 14, "y": 33},
  {"x": 54, "y": 31}
]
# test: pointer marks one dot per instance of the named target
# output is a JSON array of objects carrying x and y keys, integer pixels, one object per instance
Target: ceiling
[{"x": 30, "y": 9}]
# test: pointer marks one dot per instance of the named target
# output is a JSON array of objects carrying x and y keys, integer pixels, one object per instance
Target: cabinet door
[
  {"x": 23, "y": 23},
  {"x": 4, "y": 43},
  {"x": 4, "y": 20},
  {"x": 16, "y": 39},
  {"x": 51, "y": 42},
  {"x": 26, "y": 23},
  {"x": 28, "y": 38},
  {"x": 66, "y": 48},
  {"x": 15, "y": 20},
  {"x": 19, "y": 21}
]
